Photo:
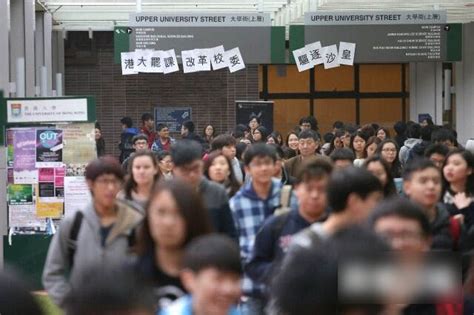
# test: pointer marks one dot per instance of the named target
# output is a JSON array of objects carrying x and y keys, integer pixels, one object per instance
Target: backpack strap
[
  {"x": 73, "y": 234},
  {"x": 455, "y": 231},
  {"x": 285, "y": 200}
]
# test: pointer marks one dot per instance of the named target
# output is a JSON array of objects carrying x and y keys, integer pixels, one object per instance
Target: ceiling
[{"x": 105, "y": 14}]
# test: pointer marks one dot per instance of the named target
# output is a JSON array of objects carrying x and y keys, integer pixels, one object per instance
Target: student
[
  {"x": 227, "y": 144},
  {"x": 436, "y": 153},
  {"x": 336, "y": 142},
  {"x": 419, "y": 149},
  {"x": 163, "y": 141},
  {"x": 148, "y": 124},
  {"x": 188, "y": 166},
  {"x": 187, "y": 132},
  {"x": 254, "y": 123},
  {"x": 380, "y": 168},
  {"x": 308, "y": 123},
  {"x": 357, "y": 145},
  {"x": 208, "y": 134},
  {"x": 126, "y": 143},
  {"x": 211, "y": 274},
  {"x": 260, "y": 134},
  {"x": 144, "y": 173},
  {"x": 382, "y": 133},
  {"x": 444, "y": 136},
  {"x": 274, "y": 238},
  {"x": 99, "y": 141},
  {"x": 102, "y": 232},
  {"x": 352, "y": 194},
  {"x": 413, "y": 138},
  {"x": 217, "y": 168},
  {"x": 400, "y": 128},
  {"x": 388, "y": 150},
  {"x": 139, "y": 142},
  {"x": 308, "y": 143},
  {"x": 458, "y": 178},
  {"x": 280, "y": 171},
  {"x": 252, "y": 204},
  {"x": 175, "y": 215},
  {"x": 369, "y": 150},
  {"x": 342, "y": 158},
  {"x": 166, "y": 164},
  {"x": 422, "y": 183}
]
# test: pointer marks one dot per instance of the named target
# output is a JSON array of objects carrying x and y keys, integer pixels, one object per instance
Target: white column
[{"x": 4, "y": 47}]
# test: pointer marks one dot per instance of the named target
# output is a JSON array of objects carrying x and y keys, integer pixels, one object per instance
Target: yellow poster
[
  {"x": 79, "y": 143},
  {"x": 48, "y": 209}
]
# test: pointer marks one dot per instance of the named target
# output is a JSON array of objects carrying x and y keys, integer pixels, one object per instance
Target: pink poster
[
  {"x": 46, "y": 175},
  {"x": 60, "y": 172}
]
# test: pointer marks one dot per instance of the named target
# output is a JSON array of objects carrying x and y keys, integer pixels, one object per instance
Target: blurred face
[
  {"x": 437, "y": 159},
  {"x": 338, "y": 143},
  {"x": 358, "y": 144},
  {"x": 405, "y": 235},
  {"x": 305, "y": 126},
  {"x": 214, "y": 291},
  {"x": 166, "y": 165},
  {"x": 424, "y": 187},
  {"x": 219, "y": 170},
  {"x": 377, "y": 169},
  {"x": 312, "y": 197},
  {"x": 340, "y": 164},
  {"x": 164, "y": 133},
  {"x": 98, "y": 134},
  {"x": 184, "y": 131},
  {"x": 448, "y": 143},
  {"x": 381, "y": 134},
  {"x": 389, "y": 152},
  {"x": 253, "y": 124},
  {"x": 346, "y": 139},
  {"x": 456, "y": 169},
  {"x": 257, "y": 135},
  {"x": 307, "y": 147},
  {"x": 191, "y": 172},
  {"x": 229, "y": 151},
  {"x": 293, "y": 142},
  {"x": 261, "y": 169},
  {"x": 271, "y": 140},
  {"x": 371, "y": 149},
  {"x": 104, "y": 189},
  {"x": 209, "y": 131},
  {"x": 140, "y": 144},
  {"x": 363, "y": 207},
  {"x": 143, "y": 170},
  {"x": 149, "y": 124},
  {"x": 166, "y": 224}
]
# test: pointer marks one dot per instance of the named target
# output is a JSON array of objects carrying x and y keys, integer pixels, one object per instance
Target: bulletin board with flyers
[{"x": 48, "y": 142}]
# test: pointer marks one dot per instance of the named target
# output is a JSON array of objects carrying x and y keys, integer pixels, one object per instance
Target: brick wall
[{"x": 90, "y": 70}]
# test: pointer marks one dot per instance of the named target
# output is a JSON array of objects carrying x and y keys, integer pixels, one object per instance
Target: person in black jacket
[
  {"x": 189, "y": 167},
  {"x": 274, "y": 238},
  {"x": 187, "y": 133}
]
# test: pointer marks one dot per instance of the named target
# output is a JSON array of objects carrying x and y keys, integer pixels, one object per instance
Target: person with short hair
[
  {"x": 211, "y": 274},
  {"x": 139, "y": 143},
  {"x": 436, "y": 153},
  {"x": 188, "y": 166},
  {"x": 102, "y": 232},
  {"x": 342, "y": 158},
  {"x": 260, "y": 134},
  {"x": 444, "y": 136},
  {"x": 308, "y": 144},
  {"x": 254, "y": 123},
  {"x": 274, "y": 238},
  {"x": 280, "y": 171},
  {"x": 187, "y": 132},
  {"x": 308, "y": 123},
  {"x": 413, "y": 134},
  {"x": 227, "y": 144},
  {"x": 148, "y": 125},
  {"x": 126, "y": 143},
  {"x": 163, "y": 141}
]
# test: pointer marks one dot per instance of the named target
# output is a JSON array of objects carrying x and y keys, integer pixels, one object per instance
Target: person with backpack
[
  {"x": 273, "y": 239},
  {"x": 126, "y": 142},
  {"x": 101, "y": 234}
]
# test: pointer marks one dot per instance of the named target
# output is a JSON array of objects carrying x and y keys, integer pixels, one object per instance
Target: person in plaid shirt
[{"x": 250, "y": 206}]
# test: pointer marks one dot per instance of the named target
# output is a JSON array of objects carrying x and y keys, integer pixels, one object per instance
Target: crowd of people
[{"x": 250, "y": 222}]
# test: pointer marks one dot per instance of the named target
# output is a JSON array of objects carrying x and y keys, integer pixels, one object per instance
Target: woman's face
[
  {"x": 167, "y": 225},
  {"x": 358, "y": 144},
  {"x": 456, "y": 169},
  {"x": 293, "y": 142},
  {"x": 377, "y": 169},
  {"x": 253, "y": 124},
  {"x": 98, "y": 134},
  {"x": 166, "y": 164},
  {"x": 209, "y": 130},
  {"x": 257, "y": 135},
  {"x": 219, "y": 170},
  {"x": 338, "y": 144},
  {"x": 371, "y": 149},
  {"x": 143, "y": 170},
  {"x": 389, "y": 152},
  {"x": 381, "y": 134},
  {"x": 271, "y": 140}
]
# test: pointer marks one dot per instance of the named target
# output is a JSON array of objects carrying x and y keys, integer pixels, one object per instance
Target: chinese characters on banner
[
  {"x": 203, "y": 59},
  {"x": 314, "y": 54}
]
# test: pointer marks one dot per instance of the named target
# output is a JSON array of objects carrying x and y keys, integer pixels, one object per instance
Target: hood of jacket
[
  {"x": 411, "y": 142},
  {"x": 132, "y": 131}
]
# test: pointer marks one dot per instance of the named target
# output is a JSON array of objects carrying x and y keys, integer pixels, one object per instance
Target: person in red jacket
[{"x": 148, "y": 125}]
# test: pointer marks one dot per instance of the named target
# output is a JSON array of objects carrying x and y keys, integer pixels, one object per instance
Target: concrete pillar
[
  {"x": 463, "y": 84},
  {"x": 22, "y": 41},
  {"x": 58, "y": 60},
  {"x": 4, "y": 47},
  {"x": 426, "y": 90},
  {"x": 43, "y": 49},
  {"x": 39, "y": 49}
]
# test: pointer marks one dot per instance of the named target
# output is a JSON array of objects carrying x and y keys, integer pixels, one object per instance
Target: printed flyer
[
  {"x": 49, "y": 148},
  {"x": 20, "y": 194},
  {"x": 79, "y": 143}
]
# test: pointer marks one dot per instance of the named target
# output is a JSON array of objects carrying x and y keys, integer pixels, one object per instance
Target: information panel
[
  {"x": 405, "y": 36},
  {"x": 173, "y": 117},
  {"x": 250, "y": 32}
]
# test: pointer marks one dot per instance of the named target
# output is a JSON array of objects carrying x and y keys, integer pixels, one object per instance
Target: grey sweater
[{"x": 89, "y": 250}]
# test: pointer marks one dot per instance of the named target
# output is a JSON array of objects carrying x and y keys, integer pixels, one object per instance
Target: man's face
[
  {"x": 229, "y": 151},
  {"x": 346, "y": 139},
  {"x": 340, "y": 164},
  {"x": 104, "y": 189},
  {"x": 184, "y": 131},
  {"x": 312, "y": 197},
  {"x": 307, "y": 146},
  {"x": 363, "y": 206},
  {"x": 164, "y": 133},
  {"x": 191, "y": 172},
  {"x": 305, "y": 126},
  {"x": 149, "y": 124},
  {"x": 437, "y": 159},
  {"x": 140, "y": 144},
  {"x": 214, "y": 291},
  {"x": 261, "y": 169},
  {"x": 424, "y": 187}
]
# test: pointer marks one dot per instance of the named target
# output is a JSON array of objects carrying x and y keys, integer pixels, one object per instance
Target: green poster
[{"x": 20, "y": 194}]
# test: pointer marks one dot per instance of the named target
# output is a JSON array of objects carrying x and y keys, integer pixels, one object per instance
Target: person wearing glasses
[{"x": 388, "y": 150}]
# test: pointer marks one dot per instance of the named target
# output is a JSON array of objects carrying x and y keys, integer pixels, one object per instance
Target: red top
[{"x": 151, "y": 135}]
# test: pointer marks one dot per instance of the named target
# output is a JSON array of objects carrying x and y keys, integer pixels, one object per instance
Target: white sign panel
[
  {"x": 128, "y": 63},
  {"x": 203, "y": 61},
  {"x": 218, "y": 61},
  {"x": 302, "y": 59},
  {"x": 330, "y": 56},
  {"x": 188, "y": 59},
  {"x": 234, "y": 60},
  {"x": 76, "y": 194},
  {"x": 346, "y": 53},
  {"x": 314, "y": 53},
  {"x": 170, "y": 62},
  {"x": 47, "y": 110}
]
